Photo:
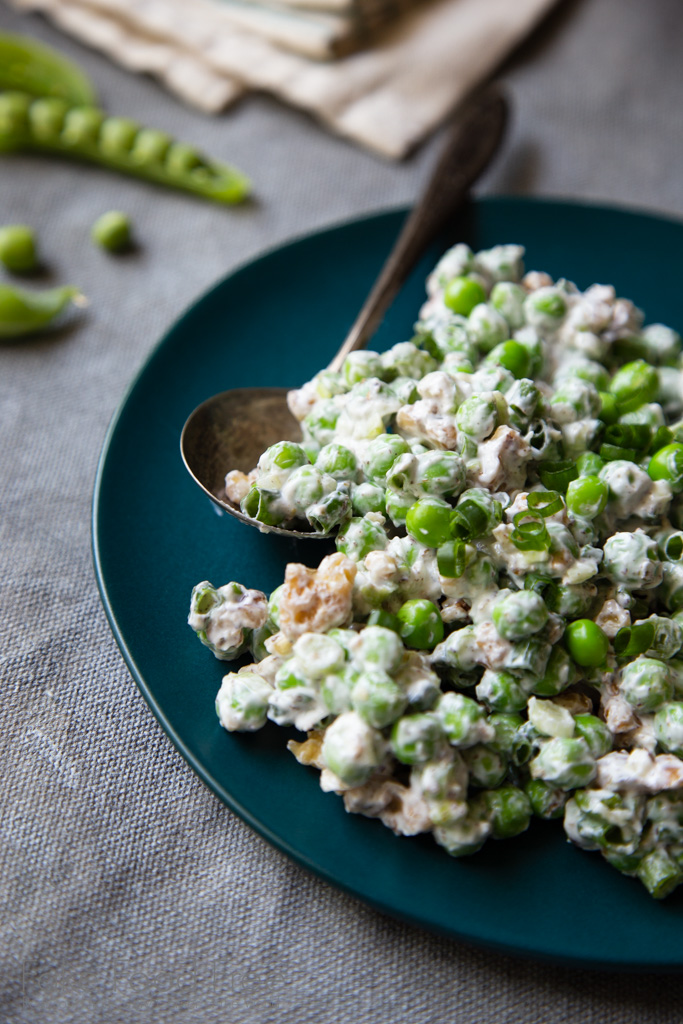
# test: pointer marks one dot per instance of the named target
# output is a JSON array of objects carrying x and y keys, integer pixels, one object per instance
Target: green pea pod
[
  {"x": 51, "y": 125},
  {"x": 23, "y": 312},
  {"x": 36, "y": 69}
]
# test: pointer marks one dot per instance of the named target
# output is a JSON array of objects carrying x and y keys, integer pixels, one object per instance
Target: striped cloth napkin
[{"x": 384, "y": 73}]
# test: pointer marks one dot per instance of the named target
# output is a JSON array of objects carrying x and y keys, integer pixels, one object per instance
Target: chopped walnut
[
  {"x": 309, "y": 751},
  {"x": 237, "y": 485},
  {"x": 423, "y": 419},
  {"x": 618, "y": 714},
  {"x": 612, "y": 617},
  {"x": 300, "y": 401},
  {"x": 399, "y": 807},
  {"x": 639, "y": 771},
  {"x": 502, "y": 461},
  {"x": 536, "y": 279},
  {"x": 315, "y": 600},
  {"x": 494, "y": 651},
  {"x": 575, "y": 703},
  {"x": 278, "y": 645}
]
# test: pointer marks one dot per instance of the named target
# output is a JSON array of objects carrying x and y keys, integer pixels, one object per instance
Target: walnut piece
[{"x": 315, "y": 600}]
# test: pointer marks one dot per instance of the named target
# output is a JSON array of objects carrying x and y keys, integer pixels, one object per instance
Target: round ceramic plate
[{"x": 276, "y": 322}]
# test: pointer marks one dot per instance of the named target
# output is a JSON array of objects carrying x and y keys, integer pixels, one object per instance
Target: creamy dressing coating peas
[{"x": 508, "y": 498}]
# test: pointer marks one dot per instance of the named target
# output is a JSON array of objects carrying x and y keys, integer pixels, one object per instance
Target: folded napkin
[{"x": 427, "y": 56}]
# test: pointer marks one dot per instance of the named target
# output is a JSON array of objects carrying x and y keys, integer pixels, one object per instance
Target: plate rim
[{"x": 525, "y": 953}]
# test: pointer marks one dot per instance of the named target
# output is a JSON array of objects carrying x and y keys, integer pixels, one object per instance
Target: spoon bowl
[{"x": 231, "y": 430}]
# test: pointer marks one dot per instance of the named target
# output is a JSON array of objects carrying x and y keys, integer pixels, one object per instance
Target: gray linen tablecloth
[{"x": 130, "y": 894}]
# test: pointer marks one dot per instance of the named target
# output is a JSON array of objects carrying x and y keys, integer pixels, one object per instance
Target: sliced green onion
[
  {"x": 614, "y": 452},
  {"x": 546, "y": 503},
  {"x": 673, "y": 547},
  {"x": 451, "y": 558},
  {"x": 469, "y": 520},
  {"x": 629, "y": 435},
  {"x": 663, "y": 436},
  {"x": 632, "y": 640},
  {"x": 530, "y": 533},
  {"x": 558, "y": 475},
  {"x": 538, "y": 582}
]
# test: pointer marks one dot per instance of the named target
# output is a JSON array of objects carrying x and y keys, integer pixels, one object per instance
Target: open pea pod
[
  {"x": 25, "y": 312},
  {"x": 51, "y": 125},
  {"x": 36, "y": 69}
]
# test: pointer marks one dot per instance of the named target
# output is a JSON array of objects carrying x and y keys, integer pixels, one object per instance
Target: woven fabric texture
[{"x": 130, "y": 895}]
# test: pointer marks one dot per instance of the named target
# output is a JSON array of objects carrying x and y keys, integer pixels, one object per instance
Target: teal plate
[{"x": 277, "y": 321}]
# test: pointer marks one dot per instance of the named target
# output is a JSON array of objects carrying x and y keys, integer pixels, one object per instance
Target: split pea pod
[
  {"x": 24, "y": 312},
  {"x": 34, "y": 68},
  {"x": 51, "y": 125}
]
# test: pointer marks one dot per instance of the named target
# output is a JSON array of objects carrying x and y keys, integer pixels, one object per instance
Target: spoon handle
[{"x": 471, "y": 144}]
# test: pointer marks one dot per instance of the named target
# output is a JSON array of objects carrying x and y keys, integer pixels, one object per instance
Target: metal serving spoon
[{"x": 232, "y": 429}]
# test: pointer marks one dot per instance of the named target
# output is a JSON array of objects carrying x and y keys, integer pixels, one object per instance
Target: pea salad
[{"x": 499, "y": 634}]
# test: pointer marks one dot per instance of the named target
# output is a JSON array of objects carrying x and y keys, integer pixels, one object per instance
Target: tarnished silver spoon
[{"x": 232, "y": 429}]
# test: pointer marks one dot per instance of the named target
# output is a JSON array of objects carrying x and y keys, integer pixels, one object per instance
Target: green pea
[
  {"x": 545, "y": 308},
  {"x": 513, "y": 356},
  {"x": 589, "y": 464},
  {"x": 646, "y": 684},
  {"x": 421, "y": 624},
  {"x": 439, "y": 473},
  {"x": 662, "y": 344},
  {"x": 502, "y": 692},
  {"x": 596, "y": 734},
  {"x": 462, "y": 294},
  {"x": 337, "y": 461},
  {"x": 377, "y": 698},
  {"x": 18, "y": 248},
  {"x": 519, "y": 615},
  {"x": 667, "y": 464},
  {"x": 416, "y": 739},
  {"x": 487, "y": 328},
  {"x": 659, "y": 874},
  {"x": 586, "y": 643},
  {"x": 367, "y": 497},
  {"x": 242, "y": 701},
  {"x": 181, "y": 158},
  {"x": 283, "y": 455},
  {"x": 564, "y": 763},
  {"x": 380, "y": 455},
  {"x": 508, "y": 298},
  {"x": 352, "y": 749},
  {"x": 359, "y": 537},
  {"x": 150, "y": 146},
  {"x": 509, "y": 810},
  {"x": 669, "y": 727},
  {"x": 559, "y": 674},
  {"x": 463, "y": 720},
  {"x": 505, "y": 727},
  {"x": 587, "y": 496},
  {"x": 546, "y": 801},
  {"x": 117, "y": 135},
  {"x": 634, "y": 384},
  {"x": 479, "y": 415},
  {"x": 398, "y": 504},
  {"x": 429, "y": 521},
  {"x": 359, "y": 366},
  {"x": 14, "y": 117},
  {"x": 82, "y": 126},
  {"x": 46, "y": 118},
  {"x": 486, "y": 766},
  {"x": 112, "y": 231}
]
